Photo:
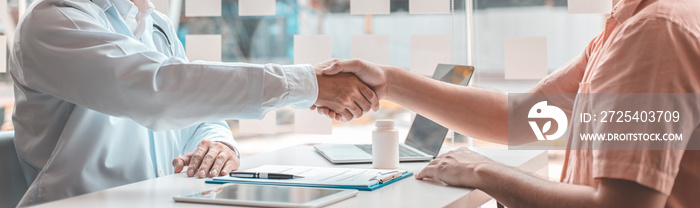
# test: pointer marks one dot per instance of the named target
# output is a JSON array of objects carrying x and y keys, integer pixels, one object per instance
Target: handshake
[{"x": 349, "y": 88}]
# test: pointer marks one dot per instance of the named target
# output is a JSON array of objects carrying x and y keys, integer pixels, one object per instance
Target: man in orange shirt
[{"x": 648, "y": 46}]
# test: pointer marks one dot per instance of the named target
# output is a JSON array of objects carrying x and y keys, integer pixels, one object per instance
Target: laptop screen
[{"x": 426, "y": 135}]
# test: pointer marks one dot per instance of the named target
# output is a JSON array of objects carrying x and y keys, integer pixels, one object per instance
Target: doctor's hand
[
  {"x": 374, "y": 75},
  {"x": 456, "y": 168},
  {"x": 344, "y": 94},
  {"x": 210, "y": 159}
]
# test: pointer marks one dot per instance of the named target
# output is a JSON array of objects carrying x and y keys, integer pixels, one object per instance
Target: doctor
[{"x": 105, "y": 96}]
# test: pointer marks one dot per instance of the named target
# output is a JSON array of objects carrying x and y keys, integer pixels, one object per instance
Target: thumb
[
  {"x": 332, "y": 69},
  {"x": 343, "y": 66},
  {"x": 180, "y": 162}
]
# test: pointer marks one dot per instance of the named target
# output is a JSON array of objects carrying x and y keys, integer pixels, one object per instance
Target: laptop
[{"x": 424, "y": 138}]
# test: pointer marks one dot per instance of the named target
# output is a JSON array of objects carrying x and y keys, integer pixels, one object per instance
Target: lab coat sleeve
[
  {"x": 214, "y": 131},
  {"x": 67, "y": 52}
]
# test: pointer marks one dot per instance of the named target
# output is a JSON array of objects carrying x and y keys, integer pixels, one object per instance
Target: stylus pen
[{"x": 263, "y": 175}]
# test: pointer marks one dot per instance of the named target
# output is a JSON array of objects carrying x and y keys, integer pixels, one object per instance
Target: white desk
[{"x": 406, "y": 193}]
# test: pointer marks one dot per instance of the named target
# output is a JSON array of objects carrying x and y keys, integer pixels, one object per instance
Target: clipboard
[{"x": 343, "y": 178}]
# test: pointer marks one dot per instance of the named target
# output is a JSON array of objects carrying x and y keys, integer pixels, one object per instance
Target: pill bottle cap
[{"x": 384, "y": 123}]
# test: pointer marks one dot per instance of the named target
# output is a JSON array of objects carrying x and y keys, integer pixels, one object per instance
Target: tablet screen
[{"x": 262, "y": 195}]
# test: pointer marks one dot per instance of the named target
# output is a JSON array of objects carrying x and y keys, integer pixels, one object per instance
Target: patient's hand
[
  {"x": 373, "y": 75},
  {"x": 456, "y": 168},
  {"x": 210, "y": 159},
  {"x": 343, "y": 93}
]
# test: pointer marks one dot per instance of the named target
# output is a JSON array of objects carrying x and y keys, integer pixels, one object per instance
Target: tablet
[{"x": 267, "y": 196}]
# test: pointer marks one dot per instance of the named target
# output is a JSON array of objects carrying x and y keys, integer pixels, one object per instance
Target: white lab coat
[{"x": 87, "y": 92}]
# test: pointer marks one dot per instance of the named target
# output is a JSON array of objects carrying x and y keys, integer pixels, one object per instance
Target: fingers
[
  {"x": 209, "y": 159},
  {"x": 180, "y": 162},
  {"x": 438, "y": 172},
  {"x": 221, "y": 159},
  {"x": 334, "y": 116},
  {"x": 338, "y": 117},
  {"x": 434, "y": 162},
  {"x": 355, "y": 110},
  {"x": 347, "y": 115},
  {"x": 427, "y": 172},
  {"x": 323, "y": 111},
  {"x": 230, "y": 165},
  {"x": 323, "y": 65},
  {"x": 370, "y": 102},
  {"x": 341, "y": 110},
  {"x": 355, "y": 101},
  {"x": 371, "y": 98},
  {"x": 197, "y": 157},
  {"x": 433, "y": 170},
  {"x": 345, "y": 95},
  {"x": 365, "y": 104},
  {"x": 327, "y": 112},
  {"x": 362, "y": 98},
  {"x": 334, "y": 69},
  {"x": 353, "y": 66}
]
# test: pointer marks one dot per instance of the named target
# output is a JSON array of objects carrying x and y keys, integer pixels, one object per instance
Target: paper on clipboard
[{"x": 322, "y": 176}]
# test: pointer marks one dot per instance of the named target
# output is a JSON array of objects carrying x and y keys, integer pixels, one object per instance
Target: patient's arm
[
  {"x": 515, "y": 188},
  {"x": 471, "y": 111}
]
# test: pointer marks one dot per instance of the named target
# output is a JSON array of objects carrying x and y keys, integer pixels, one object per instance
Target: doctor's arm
[
  {"x": 208, "y": 147},
  {"x": 73, "y": 56}
]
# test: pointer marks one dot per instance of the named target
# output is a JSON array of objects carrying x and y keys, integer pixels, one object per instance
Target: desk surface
[{"x": 406, "y": 193}]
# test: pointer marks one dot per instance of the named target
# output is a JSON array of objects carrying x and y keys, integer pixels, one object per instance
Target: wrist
[
  {"x": 392, "y": 81},
  {"x": 232, "y": 147},
  {"x": 483, "y": 172},
  {"x": 302, "y": 87},
  {"x": 319, "y": 86}
]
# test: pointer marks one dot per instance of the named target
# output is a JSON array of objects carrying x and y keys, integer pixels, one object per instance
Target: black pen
[{"x": 263, "y": 175}]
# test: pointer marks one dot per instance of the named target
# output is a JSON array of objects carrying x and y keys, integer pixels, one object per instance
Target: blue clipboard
[{"x": 361, "y": 188}]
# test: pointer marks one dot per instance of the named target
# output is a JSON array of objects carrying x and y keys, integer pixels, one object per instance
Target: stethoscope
[
  {"x": 160, "y": 30},
  {"x": 164, "y": 35}
]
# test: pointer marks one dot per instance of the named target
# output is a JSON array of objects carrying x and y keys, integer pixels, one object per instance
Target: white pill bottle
[{"x": 385, "y": 145}]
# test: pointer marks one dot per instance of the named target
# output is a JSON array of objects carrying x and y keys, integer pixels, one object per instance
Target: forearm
[
  {"x": 515, "y": 188},
  {"x": 475, "y": 112}
]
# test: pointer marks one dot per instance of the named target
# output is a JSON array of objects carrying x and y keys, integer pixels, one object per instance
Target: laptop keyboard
[{"x": 403, "y": 152}]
